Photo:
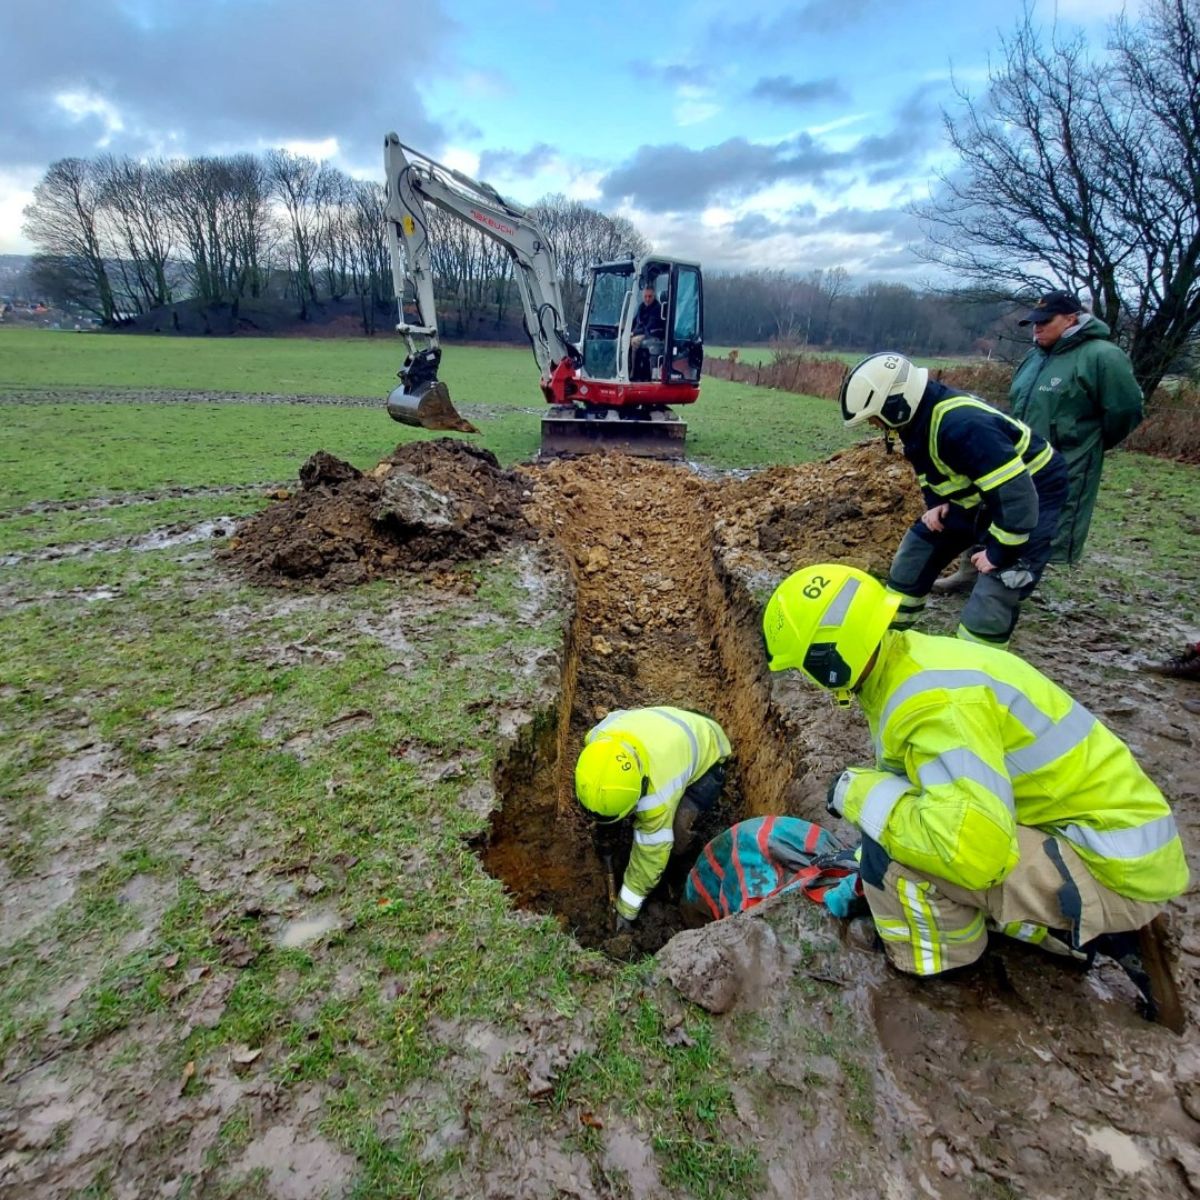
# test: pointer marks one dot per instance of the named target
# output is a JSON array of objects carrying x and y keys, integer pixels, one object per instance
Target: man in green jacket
[{"x": 1076, "y": 388}]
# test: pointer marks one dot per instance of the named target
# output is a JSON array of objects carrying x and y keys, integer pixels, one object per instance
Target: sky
[{"x": 755, "y": 134}]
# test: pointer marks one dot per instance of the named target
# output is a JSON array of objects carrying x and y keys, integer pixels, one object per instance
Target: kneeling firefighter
[
  {"x": 664, "y": 766},
  {"x": 996, "y": 800},
  {"x": 991, "y": 485}
]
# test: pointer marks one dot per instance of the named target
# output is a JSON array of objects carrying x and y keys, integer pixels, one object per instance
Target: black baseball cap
[{"x": 1051, "y": 305}]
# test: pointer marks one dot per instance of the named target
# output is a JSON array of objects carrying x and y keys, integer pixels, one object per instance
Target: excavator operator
[{"x": 648, "y": 326}]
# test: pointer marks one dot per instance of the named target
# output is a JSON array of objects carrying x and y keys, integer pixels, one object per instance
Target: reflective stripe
[
  {"x": 691, "y": 736},
  {"x": 966, "y": 635},
  {"x": 666, "y": 794},
  {"x": 960, "y": 763},
  {"x": 1018, "y": 704},
  {"x": 948, "y": 487},
  {"x": 970, "y": 932},
  {"x": 662, "y": 837},
  {"x": 1061, "y": 738},
  {"x": 835, "y": 614},
  {"x": 1002, "y": 474},
  {"x": 1025, "y": 931},
  {"x": 630, "y": 898},
  {"x": 922, "y": 926},
  {"x": 1134, "y": 842},
  {"x": 1007, "y": 539},
  {"x": 1040, "y": 459},
  {"x": 878, "y": 805}
]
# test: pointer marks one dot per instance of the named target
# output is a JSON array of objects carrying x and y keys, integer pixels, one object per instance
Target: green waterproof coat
[{"x": 1081, "y": 396}]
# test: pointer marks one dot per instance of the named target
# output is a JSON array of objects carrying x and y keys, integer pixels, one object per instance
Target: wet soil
[
  {"x": 428, "y": 505},
  {"x": 659, "y": 620}
]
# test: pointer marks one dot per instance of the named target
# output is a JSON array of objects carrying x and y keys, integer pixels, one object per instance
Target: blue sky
[{"x": 760, "y": 134}]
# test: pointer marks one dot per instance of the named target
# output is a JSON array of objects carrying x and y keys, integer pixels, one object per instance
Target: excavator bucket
[{"x": 427, "y": 406}]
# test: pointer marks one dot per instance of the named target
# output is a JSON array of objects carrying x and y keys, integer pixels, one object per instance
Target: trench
[{"x": 657, "y": 620}]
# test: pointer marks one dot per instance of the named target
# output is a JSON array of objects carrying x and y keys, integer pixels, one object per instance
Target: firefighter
[
  {"x": 996, "y": 800},
  {"x": 665, "y": 766},
  {"x": 990, "y": 483}
]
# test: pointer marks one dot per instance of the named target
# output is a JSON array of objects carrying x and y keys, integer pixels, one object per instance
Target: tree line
[
  {"x": 117, "y": 237},
  {"x": 823, "y": 309}
]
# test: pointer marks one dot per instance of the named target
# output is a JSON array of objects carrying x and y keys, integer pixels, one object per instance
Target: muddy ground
[{"x": 1021, "y": 1078}]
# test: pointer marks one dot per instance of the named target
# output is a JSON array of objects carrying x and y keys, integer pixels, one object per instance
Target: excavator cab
[{"x": 637, "y": 361}]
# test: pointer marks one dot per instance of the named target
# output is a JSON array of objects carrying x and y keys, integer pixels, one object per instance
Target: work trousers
[
  {"x": 701, "y": 797},
  {"x": 990, "y": 614},
  {"x": 1050, "y": 899}
]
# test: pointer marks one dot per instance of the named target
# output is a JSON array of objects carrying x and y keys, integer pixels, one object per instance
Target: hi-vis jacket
[
  {"x": 968, "y": 453},
  {"x": 971, "y": 741},
  {"x": 676, "y": 747}
]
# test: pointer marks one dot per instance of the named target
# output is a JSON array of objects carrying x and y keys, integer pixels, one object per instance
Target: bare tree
[
  {"x": 65, "y": 223},
  {"x": 1085, "y": 172},
  {"x": 133, "y": 201},
  {"x": 297, "y": 184}
]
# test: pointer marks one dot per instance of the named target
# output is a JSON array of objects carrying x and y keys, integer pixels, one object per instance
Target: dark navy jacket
[
  {"x": 970, "y": 454},
  {"x": 648, "y": 320}
]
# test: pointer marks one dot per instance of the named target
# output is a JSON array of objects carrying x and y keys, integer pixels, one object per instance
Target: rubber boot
[
  {"x": 962, "y": 579},
  {"x": 1142, "y": 955},
  {"x": 1185, "y": 665}
]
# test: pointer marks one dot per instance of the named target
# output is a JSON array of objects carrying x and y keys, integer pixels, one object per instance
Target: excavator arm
[{"x": 415, "y": 181}]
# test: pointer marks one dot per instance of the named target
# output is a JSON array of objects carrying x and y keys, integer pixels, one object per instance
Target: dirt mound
[
  {"x": 428, "y": 504},
  {"x": 854, "y": 508}
]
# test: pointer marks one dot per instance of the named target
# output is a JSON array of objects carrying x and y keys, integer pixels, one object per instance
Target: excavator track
[{"x": 651, "y": 434}]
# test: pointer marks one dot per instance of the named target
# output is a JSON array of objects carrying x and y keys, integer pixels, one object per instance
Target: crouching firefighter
[
  {"x": 996, "y": 800},
  {"x": 664, "y": 766},
  {"x": 991, "y": 485}
]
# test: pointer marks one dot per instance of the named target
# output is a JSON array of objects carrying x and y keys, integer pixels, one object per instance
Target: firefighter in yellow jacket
[
  {"x": 662, "y": 765},
  {"x": 996, "y": 800}
]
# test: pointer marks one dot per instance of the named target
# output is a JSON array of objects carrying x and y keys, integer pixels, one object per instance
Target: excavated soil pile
[
  {"x": 854, "y": 508},
  {"x": 427, "y": 505},
  {"x": 656, "y": 623}
]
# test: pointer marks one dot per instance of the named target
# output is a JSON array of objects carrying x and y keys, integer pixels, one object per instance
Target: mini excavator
[{"x": 613, "y": 389}]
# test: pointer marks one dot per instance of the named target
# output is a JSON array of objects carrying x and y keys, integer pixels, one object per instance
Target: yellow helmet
[
  {"x": 828, "y": 620},
  {"x": 609, "y": 778}
]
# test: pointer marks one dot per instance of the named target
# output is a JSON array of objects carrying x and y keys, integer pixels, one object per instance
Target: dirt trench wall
[{"x": 668, "y": 571}]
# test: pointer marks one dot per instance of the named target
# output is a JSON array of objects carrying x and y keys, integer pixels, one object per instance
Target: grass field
[
  {"x": 308, "y": 750},
  {"x": 765, "y": 354}
]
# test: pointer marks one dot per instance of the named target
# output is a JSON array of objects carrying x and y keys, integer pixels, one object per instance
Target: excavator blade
[
  {"x": 428, "y": 406},
  {"x": 659, "y": 437}
]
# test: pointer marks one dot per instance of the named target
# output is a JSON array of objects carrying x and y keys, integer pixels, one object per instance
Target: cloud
[
  {"x": 517, "y": 162},
  {"x": 794, "y": 22},
  {"x": 672, "y": 74},
  {"x": 675, "y": 178},
  {"x": 81, "y": 75},
  {"x": 783, "y": 89}
]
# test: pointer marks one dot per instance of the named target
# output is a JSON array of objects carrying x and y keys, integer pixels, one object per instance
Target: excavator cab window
[
  {"x": 606, "y": 303},
  {"x": 686, "y": 323}
]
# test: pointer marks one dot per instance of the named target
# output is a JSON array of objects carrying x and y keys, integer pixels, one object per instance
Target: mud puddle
[
  {"x": 660, "y": 620},
  {"x": 157, "y": 539}
]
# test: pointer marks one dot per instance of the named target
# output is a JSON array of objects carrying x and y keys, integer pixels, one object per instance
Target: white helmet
[{"x": 886, "y": 386}]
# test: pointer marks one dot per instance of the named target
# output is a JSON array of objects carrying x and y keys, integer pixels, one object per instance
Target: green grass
[
  {"x": 759, "y": 355},
  {"x": 200, "y": 823}
]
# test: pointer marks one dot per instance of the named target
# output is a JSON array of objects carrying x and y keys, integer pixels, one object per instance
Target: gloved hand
[
  {"x": 622, "y": 924},
  {"x": 841, "y": 900},
  {"x": 835, "y": 798}
]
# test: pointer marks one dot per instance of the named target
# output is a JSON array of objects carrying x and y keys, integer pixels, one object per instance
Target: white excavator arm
[{"x": 414, "y": 181}]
